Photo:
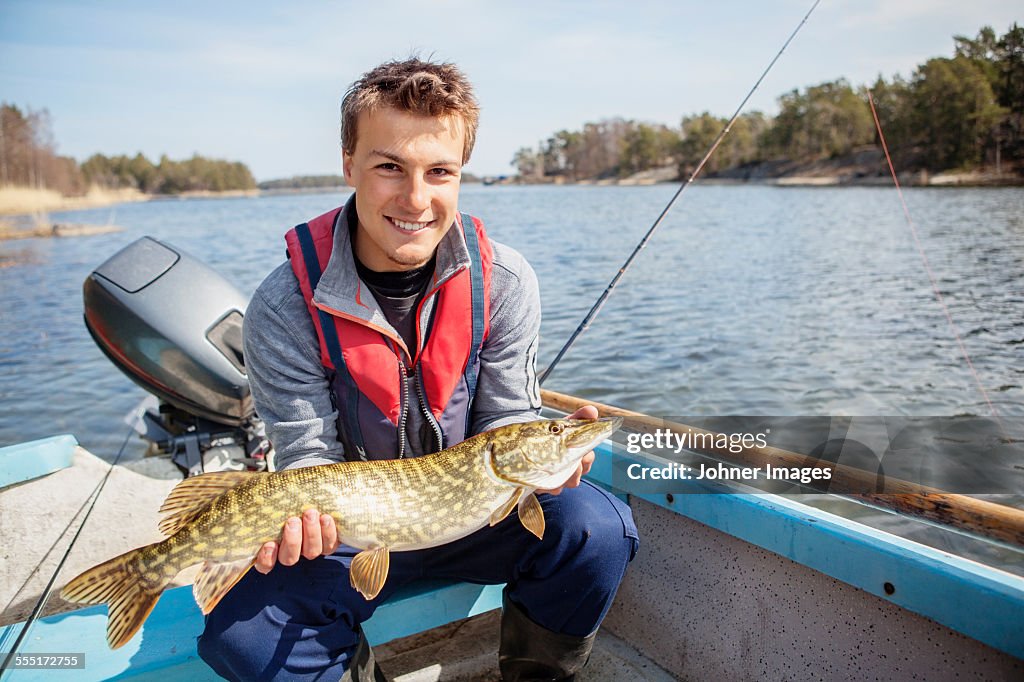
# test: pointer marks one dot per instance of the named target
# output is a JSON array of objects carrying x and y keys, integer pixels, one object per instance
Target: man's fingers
[
  {"x": 574, "y": 480},
  {"x": 587, "y": 462},
  {"x": 290, "y": 549},
  {"x": 329, "y": 532},
  {"x": 585, "y": 412},
  {"x": 312, "y": 535},
  {"x": 266, "y": 557}
]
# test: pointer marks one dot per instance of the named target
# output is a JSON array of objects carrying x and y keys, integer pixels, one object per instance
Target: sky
[{"x": 261, "y": 82}]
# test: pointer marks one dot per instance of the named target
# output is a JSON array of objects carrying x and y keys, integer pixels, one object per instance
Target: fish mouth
[{"x": 591, "y": 433}]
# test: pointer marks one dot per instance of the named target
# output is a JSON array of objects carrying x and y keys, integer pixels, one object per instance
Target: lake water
[{"x": 750, "y": 299}]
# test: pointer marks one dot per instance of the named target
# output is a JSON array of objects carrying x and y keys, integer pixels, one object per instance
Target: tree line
[
  {"x": 954, "y": 113},
  {"x": 197, "y": 174},
  {"x": 28, "y": 158},
  {"x": 28, "y": 155},
  {"x": 303, "y": 182}
]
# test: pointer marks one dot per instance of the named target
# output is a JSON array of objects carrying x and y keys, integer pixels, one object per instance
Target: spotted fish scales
[{"x": 223, "y": 519}]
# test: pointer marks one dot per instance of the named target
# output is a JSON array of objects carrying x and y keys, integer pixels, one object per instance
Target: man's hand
[
  {"x": 313, "y": 535},
  {"x": 585, "y": 412}
]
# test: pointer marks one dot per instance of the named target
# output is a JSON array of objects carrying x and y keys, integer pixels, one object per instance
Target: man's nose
[{"x": 416, "y": 194}]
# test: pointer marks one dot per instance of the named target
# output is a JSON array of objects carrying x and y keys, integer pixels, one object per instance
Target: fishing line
[
  {"x": 927, "y": 265},
  {"x": 585, "y": 324},
  {"x": 95, "y": 496},
  {"x": 60, "y": 537}
]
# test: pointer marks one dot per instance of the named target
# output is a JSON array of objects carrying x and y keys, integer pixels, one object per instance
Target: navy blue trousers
[{"x": 301, "y": 622}]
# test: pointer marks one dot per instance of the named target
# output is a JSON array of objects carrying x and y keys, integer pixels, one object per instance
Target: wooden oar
[{"x": 970, "y": 514}]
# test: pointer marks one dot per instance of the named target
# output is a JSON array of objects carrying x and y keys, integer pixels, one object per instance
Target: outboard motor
[{"x": 174, "y": 326}]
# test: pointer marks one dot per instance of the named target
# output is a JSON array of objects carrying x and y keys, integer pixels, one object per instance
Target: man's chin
[{"x": 405, "y": 260}]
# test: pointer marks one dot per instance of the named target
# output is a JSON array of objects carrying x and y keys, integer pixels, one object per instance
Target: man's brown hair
[{"x": 414, "y": 86}]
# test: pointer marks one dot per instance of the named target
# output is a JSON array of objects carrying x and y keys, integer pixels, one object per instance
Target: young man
[{"x": 397, "y": 328}]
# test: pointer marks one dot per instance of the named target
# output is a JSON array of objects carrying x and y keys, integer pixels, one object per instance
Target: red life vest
[{"x": 366, "y": 366}]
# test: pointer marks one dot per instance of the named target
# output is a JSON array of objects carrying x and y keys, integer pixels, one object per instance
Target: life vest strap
[
  {"x": 476, "y": 274},
  {"x": 330, "y": 335}
]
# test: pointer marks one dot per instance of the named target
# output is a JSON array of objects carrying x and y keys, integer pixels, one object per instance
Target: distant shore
[
  {"x": 862, "y": 169},
  {"x": 865, "y": 168},
  {"x": 26, "y": 201}
]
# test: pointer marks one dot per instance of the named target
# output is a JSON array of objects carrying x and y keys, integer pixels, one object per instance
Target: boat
[{"x": 731, "y": 582}]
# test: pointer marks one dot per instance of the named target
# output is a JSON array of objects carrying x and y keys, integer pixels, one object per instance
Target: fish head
[{"x": 543, "y": 454}]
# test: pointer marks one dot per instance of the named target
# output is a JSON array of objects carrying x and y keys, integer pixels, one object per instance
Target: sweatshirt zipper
[
  {"x": 435, "y": 427},
  {"x": 403, "y": 408}
]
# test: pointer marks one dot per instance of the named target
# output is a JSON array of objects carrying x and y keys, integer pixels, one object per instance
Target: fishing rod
[
  {"x": 928, "y": 268},
  {"x": 585, "y": 324},
  {"x": 91, "y": 501}
]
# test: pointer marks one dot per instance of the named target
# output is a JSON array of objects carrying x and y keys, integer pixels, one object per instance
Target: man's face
[{"x": 406, "y": 171}]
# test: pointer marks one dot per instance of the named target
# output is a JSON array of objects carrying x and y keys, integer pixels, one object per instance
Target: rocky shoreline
[{"x": 864, "y": 168}]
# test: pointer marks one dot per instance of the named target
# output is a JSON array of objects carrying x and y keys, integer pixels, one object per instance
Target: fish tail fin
[{"x": 116, "y": 583}]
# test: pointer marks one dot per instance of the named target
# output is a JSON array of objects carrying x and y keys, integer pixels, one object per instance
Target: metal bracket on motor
[
  {"x": 192, "y": 458},
  {"x": 204, "y": 445},
  {"x": 151, "y": 428}
]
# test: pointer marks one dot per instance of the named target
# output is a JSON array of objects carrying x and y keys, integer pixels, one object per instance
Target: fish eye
[{"x": 555, "y": 428}]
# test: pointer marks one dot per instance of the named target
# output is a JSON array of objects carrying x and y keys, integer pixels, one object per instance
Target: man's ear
[{"x": 346, "y": 166}]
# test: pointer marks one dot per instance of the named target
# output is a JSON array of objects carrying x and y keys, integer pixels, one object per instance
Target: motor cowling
[{"x": 173, "y": 325}]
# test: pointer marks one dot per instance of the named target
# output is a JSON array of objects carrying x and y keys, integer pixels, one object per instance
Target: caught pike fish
[{"x": 382, "y": 506}]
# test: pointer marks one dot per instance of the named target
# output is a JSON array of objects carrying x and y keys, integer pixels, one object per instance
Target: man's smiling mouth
[{"x": 410, "y": 226}]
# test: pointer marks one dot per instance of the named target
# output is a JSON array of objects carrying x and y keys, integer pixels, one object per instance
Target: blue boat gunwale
[{"x": 24, "y": 462}]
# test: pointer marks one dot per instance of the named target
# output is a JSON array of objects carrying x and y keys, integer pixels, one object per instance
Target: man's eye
[
  {"x": 388, "y": 166},
  {"x": 440, "y": 172}
]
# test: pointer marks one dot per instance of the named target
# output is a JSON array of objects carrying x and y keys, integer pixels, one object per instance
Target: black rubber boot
[
  {"x": 364, "y": 667},
  {"x": 531, "y": 653}
]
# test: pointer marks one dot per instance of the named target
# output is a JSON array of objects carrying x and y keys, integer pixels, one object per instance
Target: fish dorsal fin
[
  {"x": 369, "y": 570},
  {"x": 192, "y": 495},
  {"x": 504, "y": 510},
  {"x": 215, "y": 580},
  {"x": 532, "y": 516}
]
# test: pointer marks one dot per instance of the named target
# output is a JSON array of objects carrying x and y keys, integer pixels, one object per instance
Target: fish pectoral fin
[
  {"x": 532, "y": 516},
  {"x": 369, "y": 570},
  {"x": 504, "y": 510},
  {"x": 191, "y": 496},
  {"x": 216, "y": 580}
]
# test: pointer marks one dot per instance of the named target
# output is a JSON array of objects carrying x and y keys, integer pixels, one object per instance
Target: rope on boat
[
  {"x": 585, "y": 324},
  {"x": 38, "y": 608}
]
